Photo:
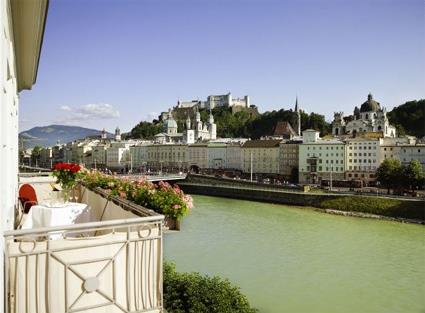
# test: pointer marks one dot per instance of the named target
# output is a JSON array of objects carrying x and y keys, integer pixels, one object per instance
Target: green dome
[{"x": 370, "y": 105}]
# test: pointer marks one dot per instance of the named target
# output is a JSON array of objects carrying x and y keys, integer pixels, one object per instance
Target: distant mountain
[{"x": 46, "y": 136}]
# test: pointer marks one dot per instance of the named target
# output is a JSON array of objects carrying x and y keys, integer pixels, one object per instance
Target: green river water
[{"x": 288, "y": 259}]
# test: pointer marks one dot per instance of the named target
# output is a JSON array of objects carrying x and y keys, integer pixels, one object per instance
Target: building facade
[
  {"x": 369, "y": 118},
  {"x": 213, "y": 101},
  {"x": 362, "y": 159},
  {"x": 288, "y": 158},
  {"x": 217, "y": 155},
  {"x": 320, "y": 159},
  {"x": 198, "y": 156},
  {"x": 260, "y": 156},
  {"x": 197, "y": 132},
  {"x": 234, "y": 155},
  {"x": 170, "y": 157},
  {"x": 118, "y": 156},
  {"x": 22, "y": 29}
]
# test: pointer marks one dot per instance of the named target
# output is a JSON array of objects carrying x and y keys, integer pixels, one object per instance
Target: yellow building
[{"x": 262, "y": 155}]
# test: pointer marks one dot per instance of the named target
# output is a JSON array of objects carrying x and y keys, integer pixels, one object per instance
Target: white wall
[{"x": 8, "y": 132}]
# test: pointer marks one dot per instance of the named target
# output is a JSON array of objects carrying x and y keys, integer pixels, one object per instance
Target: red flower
[{"x": 72, "y": 167}]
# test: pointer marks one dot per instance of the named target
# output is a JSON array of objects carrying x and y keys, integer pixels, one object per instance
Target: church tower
[
  {"x": 297, "y": 120},
  {"x": 117, "y": 134},
  {"x": 212, "y": 127},
  {"x": 188, "y": 123}
]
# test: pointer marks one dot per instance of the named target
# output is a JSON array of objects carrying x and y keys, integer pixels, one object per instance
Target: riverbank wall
[{"x": 413, "y": 209}]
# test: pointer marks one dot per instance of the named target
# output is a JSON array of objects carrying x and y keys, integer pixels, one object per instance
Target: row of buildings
[
  {"x": 359, "y": 144},
  {"x": 309, "y": 157}
]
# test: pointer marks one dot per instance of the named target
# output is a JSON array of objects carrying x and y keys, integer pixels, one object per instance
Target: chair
[{"x": 27, "y": 197}]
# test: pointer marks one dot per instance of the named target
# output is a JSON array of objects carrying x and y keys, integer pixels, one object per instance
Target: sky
[{"x": 108, "y": 63}]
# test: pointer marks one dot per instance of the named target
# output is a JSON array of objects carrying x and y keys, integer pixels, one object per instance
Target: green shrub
[
  {"x": 380, "y": 206},
  {"x": 195, "y": 293}
]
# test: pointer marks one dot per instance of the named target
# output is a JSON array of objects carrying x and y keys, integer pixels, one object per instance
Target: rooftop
[{"x": 262, "y": 143}]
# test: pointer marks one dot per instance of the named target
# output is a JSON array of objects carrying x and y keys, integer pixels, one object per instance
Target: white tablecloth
[{"x": 46, "y": 215}]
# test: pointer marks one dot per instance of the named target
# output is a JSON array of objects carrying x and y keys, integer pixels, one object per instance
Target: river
[{"x": 288, "y": 259}]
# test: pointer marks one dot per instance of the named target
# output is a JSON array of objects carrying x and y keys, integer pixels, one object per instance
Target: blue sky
[{"x": 115, "y": 62}]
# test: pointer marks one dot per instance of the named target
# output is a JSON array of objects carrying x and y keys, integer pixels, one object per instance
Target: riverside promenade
[{"x": 372, "y": 206}]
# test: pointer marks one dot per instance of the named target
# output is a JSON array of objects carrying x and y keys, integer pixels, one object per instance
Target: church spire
[{"x": 297, "y": 122}]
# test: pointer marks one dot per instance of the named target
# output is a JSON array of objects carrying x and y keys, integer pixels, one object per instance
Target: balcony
[{"x": 112, "y": 263}]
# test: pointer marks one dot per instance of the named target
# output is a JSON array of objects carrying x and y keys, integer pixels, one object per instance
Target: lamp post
[
  {"x": 330, "y": 181},
  {"x": 251, "y": 166}
]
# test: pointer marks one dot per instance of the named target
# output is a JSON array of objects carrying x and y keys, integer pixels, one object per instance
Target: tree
[
  {"x": 409, "y": 117},
  {"x": 146, "y": 130},
  {"x": 413, "y": 175},
  {"x": 388, "y": 174},
  {"x": 192, "y": 292},
  {"x": 35, "y": 155}
]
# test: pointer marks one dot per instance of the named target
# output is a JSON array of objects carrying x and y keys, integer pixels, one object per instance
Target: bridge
[
  {"x": 156, "y": 178},
  {"x": 27, "y": 168}
]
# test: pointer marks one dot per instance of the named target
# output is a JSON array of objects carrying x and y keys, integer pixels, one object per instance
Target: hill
[
  {"x": 409, "y": 118},
  {"x": 46, "y": 136},
  {"x": 240, "y": 124}
]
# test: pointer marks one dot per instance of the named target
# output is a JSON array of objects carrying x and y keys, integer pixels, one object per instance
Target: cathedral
[
  {"x": 370, "y": 118},
  {"x": 201, "y": 131}
]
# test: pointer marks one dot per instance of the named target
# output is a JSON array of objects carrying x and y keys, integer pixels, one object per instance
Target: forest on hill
[{"x": 409, "y": 118}]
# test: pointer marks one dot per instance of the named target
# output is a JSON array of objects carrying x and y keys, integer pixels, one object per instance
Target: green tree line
[
  {"x": 391, "y": 174},
  {"x": 409, "y": 118}
]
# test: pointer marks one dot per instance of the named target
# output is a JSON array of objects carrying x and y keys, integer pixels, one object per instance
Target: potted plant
[{"x": 66, "y": 175}]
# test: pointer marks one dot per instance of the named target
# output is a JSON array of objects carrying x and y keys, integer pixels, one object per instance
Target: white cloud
[
  {"x": 65, "y": 108},
  {"x": 91, "y": 111},
  {"x": 98, "y": 111}
]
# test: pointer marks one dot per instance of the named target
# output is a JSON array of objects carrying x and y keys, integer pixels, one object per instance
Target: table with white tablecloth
[{"x": 59, "y": 214}]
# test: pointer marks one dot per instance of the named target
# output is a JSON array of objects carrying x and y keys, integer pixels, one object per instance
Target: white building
[
  {"x": 320, "y": 159},
  {"x": 217, "y": 155},
  {"x": 22, "y": 29},
  {"x": 139, "y": 155},
  {"x": 362, "y": 159},
  {"x": 403, "y": 149},
  {"x": 408, "y": 153},
  {"x": 199, "y": 131},
  {"x": 214, "y": 101},
  {"x": 170, "y": 157},
  {"x": 369, "y": 118},
  {"x": 118, "y": 155},
  {"x": 198, "y": 156}
]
